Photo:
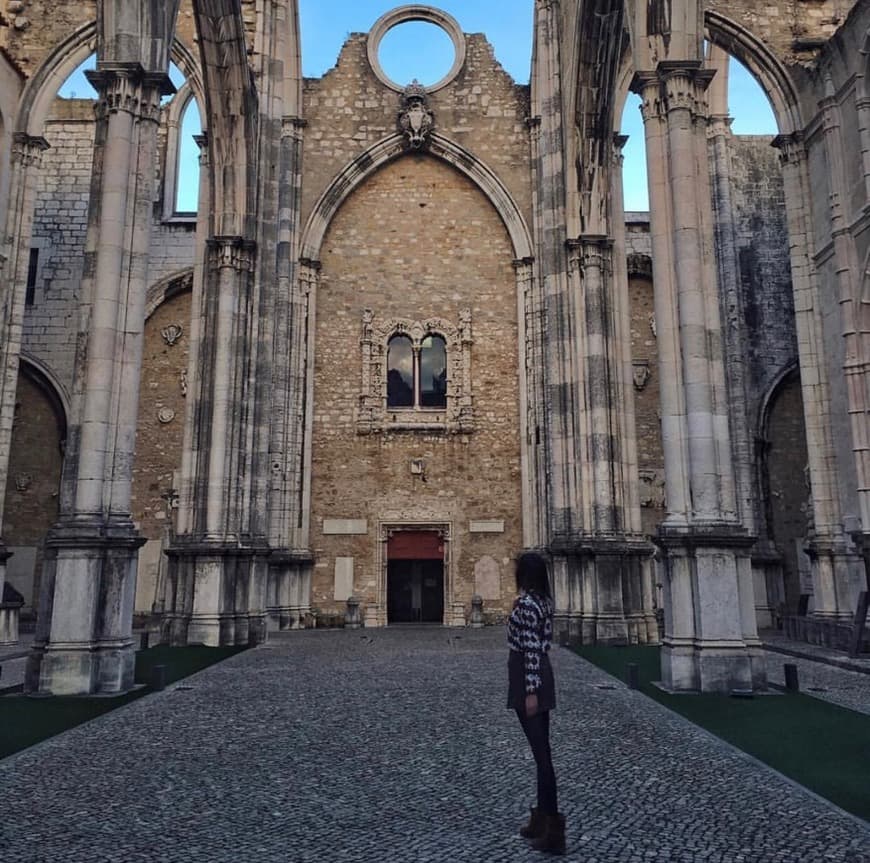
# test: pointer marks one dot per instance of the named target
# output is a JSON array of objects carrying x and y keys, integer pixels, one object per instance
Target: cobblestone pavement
[
  {"x": 837, "y": 685},
  {"x": 396, "y": 746}
]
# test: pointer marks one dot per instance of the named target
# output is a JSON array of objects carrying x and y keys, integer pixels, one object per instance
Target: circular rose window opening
[
  {"x": 416, "y": 43},
  {"x": 416, "y": 50}
]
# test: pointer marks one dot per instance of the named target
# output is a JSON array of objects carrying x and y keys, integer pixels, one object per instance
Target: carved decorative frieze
[{"x": 416, "y": 122}]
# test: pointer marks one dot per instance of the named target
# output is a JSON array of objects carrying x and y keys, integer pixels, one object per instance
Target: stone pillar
[
  {"x": 559, "y": 400},
  {"x": 84, "y": 642},
  {"x": 532, "y": 451},
  {"x": 643, "y": 627},
  {"x": 609, "y": 555},
  {"x": 26, "y": 158},
  {"x": 710, "y": 642},
  {"x": 862, "y": 104},
  {"x": 732, "y": 306},
  {"x": 856, "y": 362},
  {"x": 288, "y": 509},
  {"x": 828, "y": 547},
  {"x": 218, "y": 565}
]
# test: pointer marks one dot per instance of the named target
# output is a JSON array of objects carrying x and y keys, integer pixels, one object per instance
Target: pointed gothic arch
[{"x": 355, "y": 173}]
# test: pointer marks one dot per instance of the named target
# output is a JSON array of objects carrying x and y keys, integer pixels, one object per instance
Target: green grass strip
[
  {"x": 818, "y": 744},
  {"x": 25, "y": 721}
]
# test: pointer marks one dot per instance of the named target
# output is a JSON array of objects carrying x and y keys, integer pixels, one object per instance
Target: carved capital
[
  {"x": 684, "y": 87},
  {"x": 129, "y": 88},
  {"x": 792, "y": 148},
  {"x": 590, "y": 251},
  {"x": 234, "y": 253},
  {"x": 647, "y": 86},
  {"x": 27, "y": 149}
]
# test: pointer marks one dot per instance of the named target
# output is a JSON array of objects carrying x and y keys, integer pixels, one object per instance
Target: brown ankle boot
[
  {"x": 535, "y": 827},
  {"x": 552, "y": 839}
]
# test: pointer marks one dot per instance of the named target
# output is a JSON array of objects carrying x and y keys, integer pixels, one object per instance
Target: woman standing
[{"x": 532, "y": 693}]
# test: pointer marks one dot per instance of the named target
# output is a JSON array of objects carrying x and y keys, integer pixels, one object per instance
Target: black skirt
[{"x": 516, "y": 699}]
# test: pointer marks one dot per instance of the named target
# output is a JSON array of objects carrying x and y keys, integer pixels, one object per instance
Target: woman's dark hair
[{"x": 532, "y": 574}]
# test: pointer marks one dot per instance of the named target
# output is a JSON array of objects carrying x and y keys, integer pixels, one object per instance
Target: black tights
[{"x": 537, "y": 730}]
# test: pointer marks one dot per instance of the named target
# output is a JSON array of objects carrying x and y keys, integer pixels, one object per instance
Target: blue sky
[{"x": 422, "y": 51}]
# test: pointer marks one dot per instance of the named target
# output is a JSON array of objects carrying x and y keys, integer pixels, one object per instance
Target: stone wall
[
  {"x": 645, "y": 356},
  {"x": 34, "y": 479},
  {"x": 758, "y": 202},
  {"x": 787, "y": 484},
  {"x": 59, "y": 230},
  {"x": 417, "y": 241},
  {"x": 349, "y": 109},
  {"x": 160, "y": 429}
]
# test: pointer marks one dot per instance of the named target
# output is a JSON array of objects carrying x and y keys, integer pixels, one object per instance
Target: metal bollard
[
  {"x": 791, "y": 677},
  {"x": 158, "y": 678},
  {"x": 631, "y": 675}
]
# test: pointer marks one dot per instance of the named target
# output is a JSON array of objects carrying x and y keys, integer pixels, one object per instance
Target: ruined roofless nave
[{"x": 407, "y": 330}]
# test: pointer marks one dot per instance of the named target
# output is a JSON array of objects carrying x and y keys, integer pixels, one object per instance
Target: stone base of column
[
  {"x": 710, "y": 644},
  {"x": 9, "y": 611},
  {"x": 838, "y": 577},
  {"x": 769, "y": 584},
  {"x": 215, "y": 594},
  {"x": 600, "y": 593},
  {"x": 84, "y": 641},
  {"x": 289, "y": 589},
  {"x": 708, "y": 668}
]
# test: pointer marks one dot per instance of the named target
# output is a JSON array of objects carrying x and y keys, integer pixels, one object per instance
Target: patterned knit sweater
[{"x": 530, "y": 632}]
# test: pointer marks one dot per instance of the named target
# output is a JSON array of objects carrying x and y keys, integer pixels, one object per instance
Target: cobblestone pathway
[
  {"x": 838, "y": 685},
  {"x": 395, "y": 746}
]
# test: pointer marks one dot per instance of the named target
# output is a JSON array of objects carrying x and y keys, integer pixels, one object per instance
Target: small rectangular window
[{"x": 32, "y": 269}]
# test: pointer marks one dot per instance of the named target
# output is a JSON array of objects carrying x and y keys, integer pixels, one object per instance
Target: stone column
[
  {"x": 217, "y": 564},
  {"x": 532, "y": 453},
  {"x": 862, "y": 104},
  {"x": 26, "y": 158},
  {"x": 559, "y": 399},
  {"x": 828, "y": 547},
  {"x": 710, "y": 641},
  {"x": 856, "y": 362},
  {"x": 288, "y": 534},
  {"x": 84, "y": 642},
  {"x": 732, "y": 305},
  {"x": 643, "y": 626}
]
